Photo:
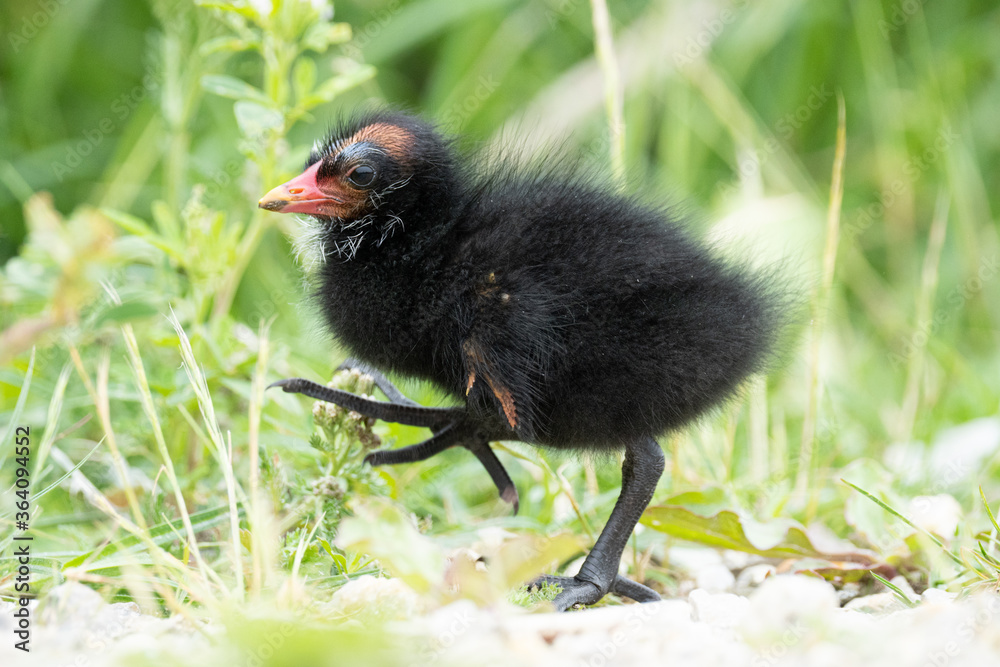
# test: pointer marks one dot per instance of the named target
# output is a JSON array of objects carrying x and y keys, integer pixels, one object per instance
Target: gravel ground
[{"x": 788, "y": 621}]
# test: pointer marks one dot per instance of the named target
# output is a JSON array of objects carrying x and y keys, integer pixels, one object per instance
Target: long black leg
[
  {"x": 453, "y": 435},
  {"x": 447, "y": 437},
  {"x": 479, "y": 446},
  {"x": 412, "y": 415},
  {"x": 444, "y": 422},
  {"x": 599, "y": 573},
  {"x": 508, "y": 492},
  {"x": 390, "y": 390}
]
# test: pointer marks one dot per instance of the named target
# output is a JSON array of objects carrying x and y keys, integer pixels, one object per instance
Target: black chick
[{"x": 560, "y": 313}]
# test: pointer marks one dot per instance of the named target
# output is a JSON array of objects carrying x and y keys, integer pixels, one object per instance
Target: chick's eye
[{"x": 362, "y": 176}]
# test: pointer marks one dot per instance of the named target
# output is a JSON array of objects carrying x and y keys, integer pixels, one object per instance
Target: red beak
[{"x": 301, "y": 195}]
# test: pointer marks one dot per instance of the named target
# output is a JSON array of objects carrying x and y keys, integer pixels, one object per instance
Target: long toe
[
  {"x": 574, "y": 591},
  {"x": 577, "y": 592},
  {"x": 377, "y": 457},
  {"x": 634, "y": 590}
]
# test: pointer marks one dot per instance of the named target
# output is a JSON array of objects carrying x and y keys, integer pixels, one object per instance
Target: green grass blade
[
  {"x": 933, "y": 538},
  {"x": 7, "y": 444}
]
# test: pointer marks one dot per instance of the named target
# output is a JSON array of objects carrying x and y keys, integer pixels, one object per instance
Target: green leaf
[
  {"x": 255, "y": 119},
  {"x": 321, "y": 35},
  {"x": 329, "y": 89},
  {"x": 525, "y": 557},
  {"x": 708, "y": 500},
  {"x": 338, "y": 33},
  {"x": 727, "y": 530},
  {"x": 127, "y": 312},
  {"x": 338, "y": 559},
  {"x": 242, "y": 10},
  {"x": 226, "y": 44},
  {"x": 841, "y": 573},
  {"x": 140, "y": 228},
  {"x": 128, "y": 222},
  {"x": 304, "y": 77},
  {"x": 230, "y": 86},
  {"x": 164, "y": 216},
  {"x": 384, "y": 531}
]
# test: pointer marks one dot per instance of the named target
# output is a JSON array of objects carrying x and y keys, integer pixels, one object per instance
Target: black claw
[
  {"x": 280, "y": 383},
  {"x": 509, "y": 495}
]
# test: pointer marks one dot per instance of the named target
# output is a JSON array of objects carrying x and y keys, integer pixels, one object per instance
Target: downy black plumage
[{"x": 557, "y": 311}]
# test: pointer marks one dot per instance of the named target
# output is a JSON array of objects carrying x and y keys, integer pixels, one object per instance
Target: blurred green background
[{"x": 172, "y": 117}]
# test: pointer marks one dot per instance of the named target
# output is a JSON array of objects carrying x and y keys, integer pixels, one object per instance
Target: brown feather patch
[
  {"x": 395, "y": 140},
  {"x": 501, "y": 392},
  {"x": 506, "y": 401}
]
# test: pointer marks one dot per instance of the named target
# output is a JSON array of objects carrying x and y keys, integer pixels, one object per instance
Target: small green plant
[
  {"x": 533, "y": 597},
  {"x": 315, "y": 498}
]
